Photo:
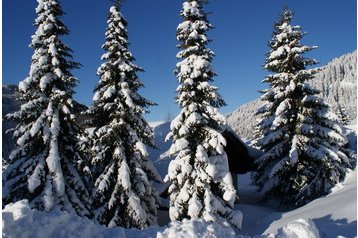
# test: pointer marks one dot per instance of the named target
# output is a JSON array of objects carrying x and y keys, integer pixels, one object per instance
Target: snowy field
[{"x": 332, "y": 216}]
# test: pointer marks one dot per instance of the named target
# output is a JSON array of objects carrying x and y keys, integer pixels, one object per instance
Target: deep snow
[{"x": 334, "y": 215}]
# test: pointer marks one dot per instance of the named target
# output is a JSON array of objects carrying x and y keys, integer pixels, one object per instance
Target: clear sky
[{"x": 242, "y": 30}]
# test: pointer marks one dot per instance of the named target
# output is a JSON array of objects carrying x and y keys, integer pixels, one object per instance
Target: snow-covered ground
[{"x": 334, "y": 215}]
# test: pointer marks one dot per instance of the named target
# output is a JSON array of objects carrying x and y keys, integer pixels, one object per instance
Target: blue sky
[{"x": 242, "y": 30}]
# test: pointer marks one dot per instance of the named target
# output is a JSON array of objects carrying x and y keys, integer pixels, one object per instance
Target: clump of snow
[
  {"x": 34, "y": 180},
  {"x": 109, "y": 92},
  {"x": 334, "y": 215},
  {"x": 299, "y": 228},
  {"x": 197, "y": 229}
]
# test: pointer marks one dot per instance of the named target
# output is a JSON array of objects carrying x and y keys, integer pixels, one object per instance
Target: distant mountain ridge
[
  {"x": 9, "y": 104},
  {"x": 337, "y": 82}
]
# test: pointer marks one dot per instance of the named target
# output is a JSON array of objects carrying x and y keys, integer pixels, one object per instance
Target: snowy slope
[
  {"x": 335, "y": 214},
  {"x": 9, "y": 104},
  {"x": 337, "y": 82}
]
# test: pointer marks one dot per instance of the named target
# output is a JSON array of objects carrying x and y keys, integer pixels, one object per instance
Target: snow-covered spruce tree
[
  {"x": 342, "y": 114},
  {"x": 44, "y": 164},
  {"x": 124, "y": 195},
  {"x": 303, "y": 143},
  {"x": 341, "y": 111},
  {"x": 201, "y": 184}
]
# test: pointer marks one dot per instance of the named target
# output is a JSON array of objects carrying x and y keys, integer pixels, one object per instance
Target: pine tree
[
  {"x": 123, "y": 174},
  {"x": 341, "y": 111},
  {"x": 342, "y": 114},
  {"x": 201, "y": 184},
  {"x": 44, "y": 166},
  {"x": 303, "y": 143}
]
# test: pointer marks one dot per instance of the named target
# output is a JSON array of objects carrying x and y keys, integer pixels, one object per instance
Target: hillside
[
  {"x": 9, "y": 104},
  {"x": 338, "y": 85}
]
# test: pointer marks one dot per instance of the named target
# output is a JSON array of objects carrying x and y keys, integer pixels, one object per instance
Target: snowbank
[
  {"x": 19, "y": 220},
  {"x": 299, "y": 228},
  {"x": 197, "y": 229},
  {"x": 334, "y": 215}
]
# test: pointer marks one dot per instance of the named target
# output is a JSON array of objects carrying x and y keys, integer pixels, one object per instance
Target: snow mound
[
  {"x": 334, "y": 215},
  {"x": 19, "y": 220},
  {"x": 299, "y": 228},
  {"x": 197, "y": 229}
]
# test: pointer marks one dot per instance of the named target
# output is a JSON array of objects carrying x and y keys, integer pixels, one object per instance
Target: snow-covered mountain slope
[
  {"x": 338, "y": 85},
  {"x": 9, "y": 104}
]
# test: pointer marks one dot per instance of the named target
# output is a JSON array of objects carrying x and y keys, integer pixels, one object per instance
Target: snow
[
  {"x": 45, "y": 80},
  {"x": 124, "y": 175},
  {"x": 34, "y": 180},
  {"x": 136, "y": 207},
  {"x": 277, "y": 53},
  {"x": 48, "y": 196},
  {"x": 334, "y": 214},
  {"x": 23, "y": 85},
  {"x": 109, "y": 92},
  {"x": 58, "y": 72},
  {"x": 52, "y": 49},
  {"x": 331, "y": 216},
  {"x": 140, "y": 146},
  {"x": 54, "y": 160},
  {"x": 19, "y": 220},
  {"x": 197, "y": 229},
  {"x": 42, "y": 60},
  {"x": 293, "y": 152},
  {"x": 284, "y": 105},
  {"x": 191, "y": 9},
  {"x": 155, "y": 124},
  {"x": 299, "y": 228},
  {"x": 113, "y": 9}
]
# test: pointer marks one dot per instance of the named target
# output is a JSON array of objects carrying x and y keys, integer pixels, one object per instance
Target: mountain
[
  {"x": 337, "y": 82},
  {"x": 11, "y": 104}
]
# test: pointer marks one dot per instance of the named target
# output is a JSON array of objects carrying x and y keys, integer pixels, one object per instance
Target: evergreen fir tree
[
  {"x": 124, "y": 195},
  {"x": 342, "y": 114},
  {"x": 341, "y": 111},
  {"x": 303, "y": 143},
  {"x": 201, "y": 184},
  {"x": 44, "y": 166}
]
